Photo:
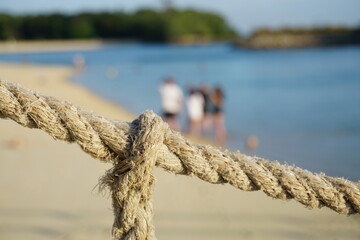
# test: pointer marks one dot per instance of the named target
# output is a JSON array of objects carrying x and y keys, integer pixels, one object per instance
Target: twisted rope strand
[{"x": 113, "y": 141}]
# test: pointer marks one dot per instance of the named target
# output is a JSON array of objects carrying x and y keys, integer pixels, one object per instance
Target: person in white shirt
[
  {"x": 195, "y": 106},
  {"x": 172, "y": 102}
]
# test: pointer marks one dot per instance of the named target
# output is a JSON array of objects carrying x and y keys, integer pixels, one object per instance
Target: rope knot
[
  {"x": 131, "y": 180},
  {"x": 145, "y": 141}
]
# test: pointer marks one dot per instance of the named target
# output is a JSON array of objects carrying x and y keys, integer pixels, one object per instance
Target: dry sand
[
  {"x": 46, "y": 187},
  {"x": 46, "y": 46}
]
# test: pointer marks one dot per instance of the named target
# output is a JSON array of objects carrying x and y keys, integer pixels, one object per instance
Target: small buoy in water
[
  {"x": 252, "y": 142},
  {"x": 112, "y": 72}
]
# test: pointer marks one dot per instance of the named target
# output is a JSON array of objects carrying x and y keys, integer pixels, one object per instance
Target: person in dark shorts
[
  {"x": 207, "y": 119},
  {"x": 172, "y": 101},
  {"x": 218, "y": 114}
]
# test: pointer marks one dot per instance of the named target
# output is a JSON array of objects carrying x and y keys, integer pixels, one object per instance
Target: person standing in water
[
  {"x": 207, "y": 118},
  {"x": 218, "y": 114},
  {"x": 172, "y": 101},
  {"x": 195, "y": 108}
]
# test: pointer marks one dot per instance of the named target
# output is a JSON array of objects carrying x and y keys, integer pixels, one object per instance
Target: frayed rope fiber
[{"x": 136, "y": 148}]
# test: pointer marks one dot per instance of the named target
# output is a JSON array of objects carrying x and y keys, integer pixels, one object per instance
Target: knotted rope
[{"x": 135, "y": 148}]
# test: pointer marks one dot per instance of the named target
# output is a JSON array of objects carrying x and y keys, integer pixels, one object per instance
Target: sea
[{"x": 303, "y": 105}]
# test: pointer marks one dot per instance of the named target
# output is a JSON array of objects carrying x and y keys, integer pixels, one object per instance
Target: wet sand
[{"x": 47, "y": 186}]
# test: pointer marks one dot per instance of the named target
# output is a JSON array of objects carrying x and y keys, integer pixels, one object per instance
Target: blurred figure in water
[
  {"x": 207, "y": 118},
  {"x": 218, "y": 114},
  {"x": 195, "y": 106},
  {"x": 79, "y": 62},
  {"x": 172, "y": 100}
]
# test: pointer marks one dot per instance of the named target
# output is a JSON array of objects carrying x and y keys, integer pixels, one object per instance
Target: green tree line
[{"x": 144, "y": 25}]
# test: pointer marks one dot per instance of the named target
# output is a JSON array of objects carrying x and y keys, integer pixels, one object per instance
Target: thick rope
[
  {"x": 134, "y": 148},
  {"x": 132, "y": 190}
]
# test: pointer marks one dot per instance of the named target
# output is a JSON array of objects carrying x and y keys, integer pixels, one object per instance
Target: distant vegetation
[
  {"x": 185, "y": 26},
  {"x": 171, "y": 25},
  {"x": 301, "y": 37}
]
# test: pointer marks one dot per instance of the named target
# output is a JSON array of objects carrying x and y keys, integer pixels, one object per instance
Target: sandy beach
[
  {"x": 46, "y": 46},
  {"x": 48, "y": 187}
]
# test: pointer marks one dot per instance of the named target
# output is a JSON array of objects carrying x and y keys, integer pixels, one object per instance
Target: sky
[{"x": 243, "y": 15}]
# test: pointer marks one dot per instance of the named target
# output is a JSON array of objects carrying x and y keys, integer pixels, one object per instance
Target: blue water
[{"x": 303, "y": 105}]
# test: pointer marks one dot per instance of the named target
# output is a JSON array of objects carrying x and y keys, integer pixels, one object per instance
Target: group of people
[{"x": 204, "y": 108}]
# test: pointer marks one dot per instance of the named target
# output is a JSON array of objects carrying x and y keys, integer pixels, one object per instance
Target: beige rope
[
  {"x": 134, "y": 148},
  {"x": 132, "y": 190}
]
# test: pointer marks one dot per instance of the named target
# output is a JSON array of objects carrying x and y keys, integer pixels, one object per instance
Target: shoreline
[
  {"x": 47, "y": 186},
  {"x": 55, "y": 80}
]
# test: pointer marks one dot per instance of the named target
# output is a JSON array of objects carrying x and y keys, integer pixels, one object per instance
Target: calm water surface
[{"x": 303, "y": 105}]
